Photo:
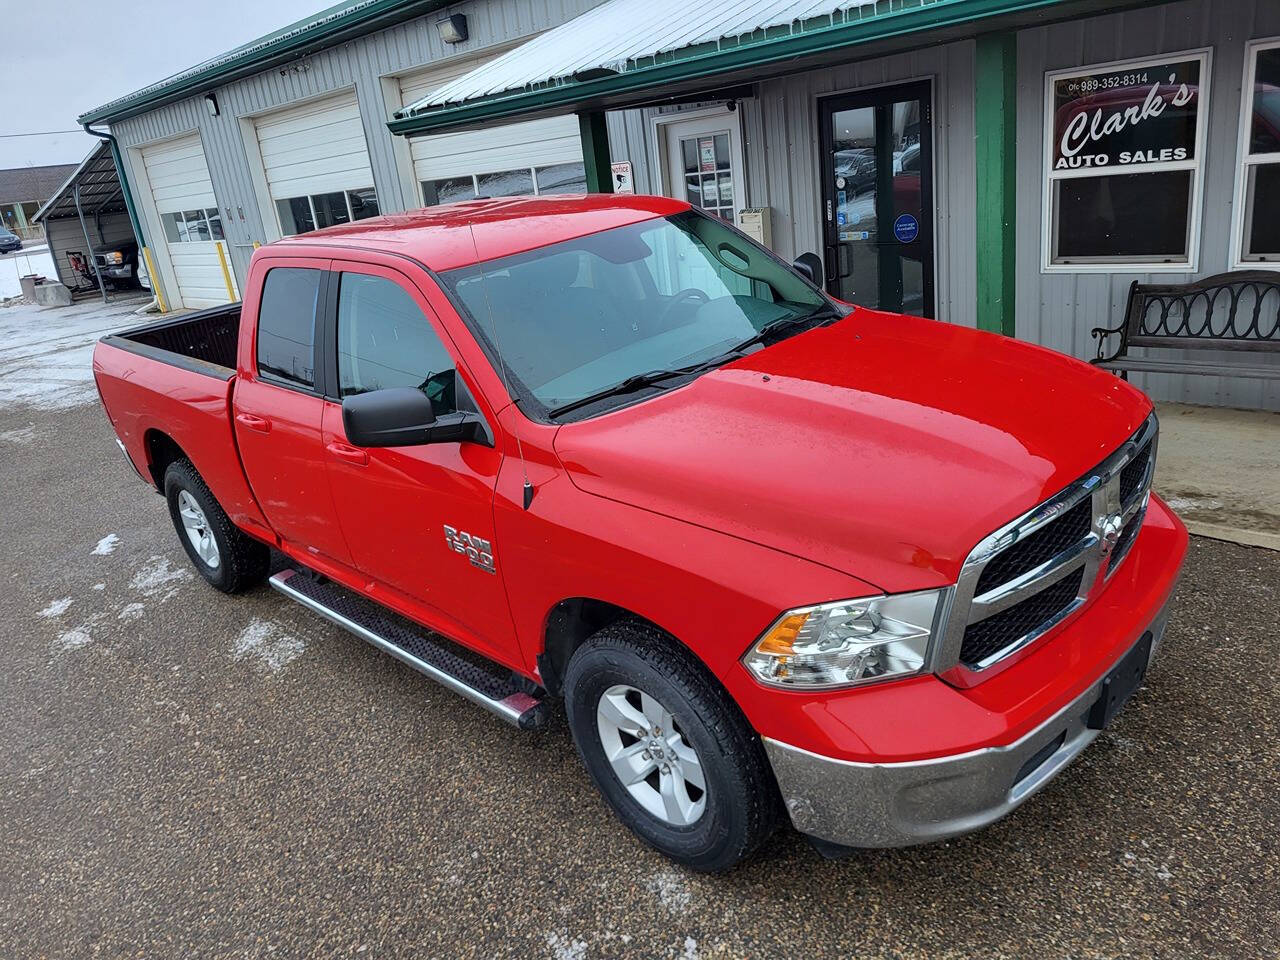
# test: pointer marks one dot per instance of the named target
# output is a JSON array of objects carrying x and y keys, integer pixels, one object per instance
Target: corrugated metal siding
[
  {"x": 1057, "y": 309},
  {"x": 64, "y": 234},
  {"x": 781, "y": 146},
  {"x": 361, "y": 63}
]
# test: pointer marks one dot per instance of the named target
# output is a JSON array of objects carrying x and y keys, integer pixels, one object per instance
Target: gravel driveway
[{"x": 185, "y": 775}]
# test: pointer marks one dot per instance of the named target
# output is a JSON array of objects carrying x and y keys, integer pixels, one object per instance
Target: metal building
[{"x": 943, "y": 157}]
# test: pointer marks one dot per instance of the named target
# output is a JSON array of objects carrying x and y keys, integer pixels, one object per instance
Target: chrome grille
[{"x": 1033, "y": 573}]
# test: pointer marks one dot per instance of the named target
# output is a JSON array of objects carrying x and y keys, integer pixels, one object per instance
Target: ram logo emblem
[{"x": 476, "y": 549}]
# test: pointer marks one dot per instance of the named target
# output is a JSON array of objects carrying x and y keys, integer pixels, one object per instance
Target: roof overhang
[
  {"x": 679, "y": 75},
  {"x": 100, "y": 190},
  {"x": 328, "y": 28}
]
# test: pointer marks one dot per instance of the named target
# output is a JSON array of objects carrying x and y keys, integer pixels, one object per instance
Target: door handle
[
  {"x": 829, "y": 261},
  {"x": 258, "y": 424},
  {"x": 349, "y": 453}
]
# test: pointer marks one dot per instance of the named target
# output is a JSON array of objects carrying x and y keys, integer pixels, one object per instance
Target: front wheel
[
  {"x": 223, "y": 554},
  {"x": 667, "y": 747}
]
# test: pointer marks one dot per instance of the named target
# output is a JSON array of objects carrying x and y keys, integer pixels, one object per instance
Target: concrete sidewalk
[{"x": 1220, "y": 471}]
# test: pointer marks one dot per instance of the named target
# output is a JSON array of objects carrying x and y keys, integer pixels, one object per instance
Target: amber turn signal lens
[{"x": 780, "y": 641}]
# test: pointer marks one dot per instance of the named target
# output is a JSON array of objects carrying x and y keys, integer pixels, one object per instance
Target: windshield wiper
[
  {"x": 824, "y": 316},
  {"x": 631, "y": 384}
]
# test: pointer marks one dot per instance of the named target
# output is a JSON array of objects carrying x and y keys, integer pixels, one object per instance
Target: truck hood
[{"x": 882, "y": 446}]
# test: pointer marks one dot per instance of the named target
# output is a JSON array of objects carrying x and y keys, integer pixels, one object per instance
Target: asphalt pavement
[{"x": 184, "y": 774}]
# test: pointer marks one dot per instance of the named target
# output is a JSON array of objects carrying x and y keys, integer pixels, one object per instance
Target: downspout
[{"x": 124, "y": 182}]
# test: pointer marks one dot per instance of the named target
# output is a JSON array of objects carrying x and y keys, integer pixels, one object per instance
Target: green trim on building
[
  {"x": 595, "y": 151},
  {"x": 134, "y": 219},
  {"x": 995, "y": 120},
  {"x": 328, "y": 28},
  {"x": 707, "y": 62}
]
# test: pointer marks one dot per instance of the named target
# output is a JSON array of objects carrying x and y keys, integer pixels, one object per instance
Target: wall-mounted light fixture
[
  {"x": 211, "y": 102},
  {"x": 453, "y": 28}
]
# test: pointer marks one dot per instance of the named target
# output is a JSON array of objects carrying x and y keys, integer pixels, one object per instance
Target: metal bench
[{"x": 1231, "y": 311}]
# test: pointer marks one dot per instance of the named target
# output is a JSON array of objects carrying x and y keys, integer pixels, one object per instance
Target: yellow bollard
[
  {"x": 155, "y": 280},
  {"x": 226, "y": 274}
]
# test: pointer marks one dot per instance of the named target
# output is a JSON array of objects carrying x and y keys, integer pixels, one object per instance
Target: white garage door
[
  {"x": 183, "y": 194},
  {"x": 537, "y": 156},
  {"x": 316, "y": 162}
]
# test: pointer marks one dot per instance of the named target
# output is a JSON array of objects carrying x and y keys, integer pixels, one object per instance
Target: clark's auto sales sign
[{"x": 1130, "y": 117}]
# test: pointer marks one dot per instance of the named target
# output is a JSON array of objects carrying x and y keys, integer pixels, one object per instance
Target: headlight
[
  {"x": 849, "y": 642},
  {"x": 114, "y": 257}
]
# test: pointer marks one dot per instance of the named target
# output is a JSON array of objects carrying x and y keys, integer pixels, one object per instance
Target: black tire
[
  {"x": 242, "y": 561},
  {"x": 742, "y": 803}
]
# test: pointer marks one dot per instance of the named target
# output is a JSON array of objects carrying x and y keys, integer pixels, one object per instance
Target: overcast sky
[{"x": 63, "y": 57}]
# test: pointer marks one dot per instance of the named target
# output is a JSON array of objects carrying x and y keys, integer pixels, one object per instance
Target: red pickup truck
[{"x": 777, "y": 554}]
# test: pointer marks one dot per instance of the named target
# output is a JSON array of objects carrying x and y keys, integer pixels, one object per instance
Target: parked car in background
[
  {"x": 9, "y": 241},
  {"x": 779, "y": 555},
  {"x": 119, "y": 266}
]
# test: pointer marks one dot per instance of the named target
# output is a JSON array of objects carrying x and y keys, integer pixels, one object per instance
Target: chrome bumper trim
[{"x": 899, "y": 804}]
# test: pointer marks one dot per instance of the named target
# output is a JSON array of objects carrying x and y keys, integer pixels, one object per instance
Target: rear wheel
[
  {"x": 223, "y": 554},
  {"x": 671, "y": 753}
]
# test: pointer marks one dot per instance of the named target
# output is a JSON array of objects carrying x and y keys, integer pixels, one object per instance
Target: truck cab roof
[{"x": 442, "y": 237}]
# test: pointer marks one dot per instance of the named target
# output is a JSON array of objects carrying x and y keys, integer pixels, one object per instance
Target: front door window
[
  {"x": 708, "y": 173},
  {"x": 878, "y": 198},
  {"x": 704, "y": 163}
]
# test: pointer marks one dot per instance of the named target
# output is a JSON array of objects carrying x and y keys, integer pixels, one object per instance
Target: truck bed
[
  {"x": 171, "y": 383},
  {"x": 202, "y": 342}
]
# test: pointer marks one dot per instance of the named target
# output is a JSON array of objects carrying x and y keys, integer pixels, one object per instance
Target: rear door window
[
  {"x": 287, "y": 325},
  {"x": 385, "y": 340}
]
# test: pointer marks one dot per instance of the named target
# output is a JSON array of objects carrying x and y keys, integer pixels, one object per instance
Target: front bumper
[
  {"x": 898, "y": 804},
  {"x": 122, "y": 272}
]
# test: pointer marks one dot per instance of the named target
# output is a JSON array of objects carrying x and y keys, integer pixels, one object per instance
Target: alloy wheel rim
[
  {"x": 650, "y": 756},
  {"x": 197, "y": 529}
]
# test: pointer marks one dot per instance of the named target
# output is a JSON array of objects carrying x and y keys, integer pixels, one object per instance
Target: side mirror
[
  {"x": 809, "y": 265},
  {"x": 403, "y": 417}
]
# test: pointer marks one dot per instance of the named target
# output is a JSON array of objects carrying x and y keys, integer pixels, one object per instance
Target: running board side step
[{"x": 479, "y": 680}]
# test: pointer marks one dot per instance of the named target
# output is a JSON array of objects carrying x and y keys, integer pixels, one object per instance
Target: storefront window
[
  {"x": 1258, "y": 234},
  {"x": 1123, "y": 144}
]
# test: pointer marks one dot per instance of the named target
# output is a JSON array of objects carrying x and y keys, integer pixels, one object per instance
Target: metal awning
[
  {"x": 621, "y": 35},
  {"x": 629, "y": 53},
  {"x": 100, "y": 190}
]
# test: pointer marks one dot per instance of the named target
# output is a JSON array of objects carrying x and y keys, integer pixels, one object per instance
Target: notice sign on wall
[{"x": 1131, "y": 116}]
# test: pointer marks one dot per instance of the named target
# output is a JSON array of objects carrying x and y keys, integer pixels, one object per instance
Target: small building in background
[{"x": 23, "y": 190}]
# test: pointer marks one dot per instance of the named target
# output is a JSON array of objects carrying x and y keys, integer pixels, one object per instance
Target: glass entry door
[{"x": 877, "y": 174}]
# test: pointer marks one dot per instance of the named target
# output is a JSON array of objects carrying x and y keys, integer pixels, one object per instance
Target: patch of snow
[
  {"x": 131, "y": 611},
  {"x": 46, "y": 353},
  {"x": 564, "y": 948},
  {"x": 1194, "y": 503},
  {"x": 107, "y": 545},
  {"x": 268, "y": 644},
  {"x": 1135, "y": 862},
  {"x": 18, "y": 435},
  {"x": 690, "y": 949},
  {"x": 672, "y": 891},
  {"x": 56, "y": 608},
  {"x": 24, "y": 262},
  {"x": 72, "y": 640},
  {"x": 99, "y": 586},
  {"x": 157, "y": 578}
]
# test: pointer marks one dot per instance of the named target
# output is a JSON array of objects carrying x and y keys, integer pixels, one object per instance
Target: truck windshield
[{"x": 634, "y": 307}]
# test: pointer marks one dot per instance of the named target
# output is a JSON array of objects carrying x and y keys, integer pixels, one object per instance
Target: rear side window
[
  {"x": 384, "y": 340},
  {"x": 287, "y": 325}
]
